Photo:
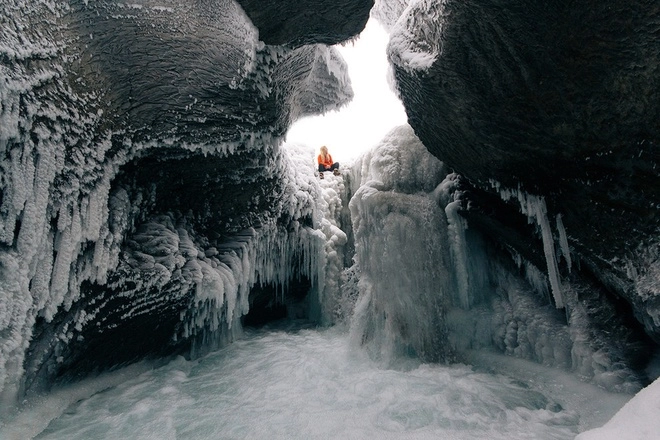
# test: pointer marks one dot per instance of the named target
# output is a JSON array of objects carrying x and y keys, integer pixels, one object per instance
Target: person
[{"x": 326, "y": 163}]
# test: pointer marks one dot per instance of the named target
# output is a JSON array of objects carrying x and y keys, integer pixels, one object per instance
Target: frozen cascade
[
  {"x": 335, "y": 239},
  {"x": 402, "y": 250},
  {"x": 404, "y": 225},
  {"x": 456, "y": 226}
]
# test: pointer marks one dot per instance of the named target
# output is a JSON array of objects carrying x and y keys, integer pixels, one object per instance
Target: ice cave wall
[
  {"x": 549, "y": 112},
  {"x": 433, "y": 286},
  {"x": 143, "y": 190},
  {"x": 142, "y": 187}
]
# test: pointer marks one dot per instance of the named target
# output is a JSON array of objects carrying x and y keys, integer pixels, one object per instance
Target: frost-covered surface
[
  {"x": 473, "y": 79},
  {"x": 416, "y": 36},
  {"x": 170, "y": 271},
  {"x": 387, "y": 12},
  {"x": 90, "y": 88}
]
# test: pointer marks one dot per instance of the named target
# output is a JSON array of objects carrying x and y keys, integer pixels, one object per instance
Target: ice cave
[{"x": 171, "y": 267}]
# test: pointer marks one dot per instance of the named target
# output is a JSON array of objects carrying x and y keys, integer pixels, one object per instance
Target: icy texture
[
  {"x": 428, "y": 285},
  {"x": 402, "y": 250},
  {"x": 416, "y": 37},
  {"x": 65, "y": 135},
  {"x": 223, "y": 274},
  {"x": 534, "y": 208},
  {"x": 647, "y": 281},
  {"x": 448, "y": 196},
  {"x": 332, "y": 188},
  {"x": 387, "y": 12},
  {"x": 517, "y": 320},
  {"x": 327, "y": 86}
]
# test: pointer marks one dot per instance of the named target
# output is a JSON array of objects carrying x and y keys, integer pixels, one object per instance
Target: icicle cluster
[
  {"x": 60, "y": 224},
  {"x": 535, "y": 209},
  {"x": 281, "y": 248},
  {"x": 223, "y": 276}
]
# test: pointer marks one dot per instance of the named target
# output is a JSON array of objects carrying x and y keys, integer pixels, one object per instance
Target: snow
[{"x": 637, "y": 420}]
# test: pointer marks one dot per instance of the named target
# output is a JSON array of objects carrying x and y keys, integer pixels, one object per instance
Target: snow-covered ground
[{"x": 637, "y": 420}]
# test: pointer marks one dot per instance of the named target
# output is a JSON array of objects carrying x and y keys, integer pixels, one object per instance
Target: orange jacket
[{"x": 327, "y": 162}]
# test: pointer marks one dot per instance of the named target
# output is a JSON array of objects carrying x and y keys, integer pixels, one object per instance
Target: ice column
[
  {"x": 447, "y": 196},
  {"x": 402, "y": 250}
]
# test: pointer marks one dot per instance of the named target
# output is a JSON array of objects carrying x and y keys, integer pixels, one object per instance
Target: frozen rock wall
[
  {"x": 134, "y": 140},
  {"x": 299, "y": 22}
]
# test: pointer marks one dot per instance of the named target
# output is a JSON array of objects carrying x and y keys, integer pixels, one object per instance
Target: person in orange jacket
[{"x": 326, "y": 163}]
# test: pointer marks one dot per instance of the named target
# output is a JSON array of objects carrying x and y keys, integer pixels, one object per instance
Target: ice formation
[
  {"x": 416, "y": 37},
  {"x": 427, "y": 281},
  {"x": 401, "y": 249},
  {"x": 535, "y": 209},
  {"x": 69, "y": 125},
  {"x": 73, "y": 122}
]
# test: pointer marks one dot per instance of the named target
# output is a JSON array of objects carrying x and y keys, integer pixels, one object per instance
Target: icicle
[
  {"x": 534, "y": 208},
  {"x": 548, "y": 249},
  {"x": 563, "y": 242}
]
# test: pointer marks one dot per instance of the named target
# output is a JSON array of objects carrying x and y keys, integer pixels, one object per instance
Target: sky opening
[{"x": 372, "y": 113}]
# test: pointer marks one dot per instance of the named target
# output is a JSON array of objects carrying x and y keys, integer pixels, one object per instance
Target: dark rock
[{"x": 297, "y": 23}]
